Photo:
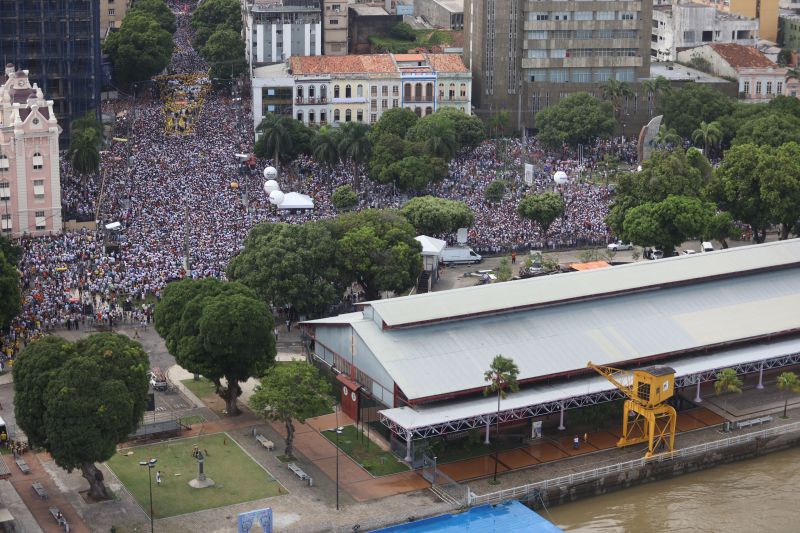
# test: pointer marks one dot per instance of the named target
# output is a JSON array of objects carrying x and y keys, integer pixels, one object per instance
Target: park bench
[
  {"x": 302, "y": 475},
  {"x": 62, "y": 521},
  {"x": 265, "y": 442},
  {"x": 23, "y": 465},
  {"x": 40, "y": 491},
  {"x": 753, "y": 422}
]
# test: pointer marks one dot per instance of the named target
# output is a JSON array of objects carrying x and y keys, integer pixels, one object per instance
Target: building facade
[
  {"x": 360, "y": 88},
  {"x": 681, "y": 26},
  {"x": 365, "y": 20},
  {"x": 766, "y": 11},
  {"x": 526, "y": 55},
  {"x": 789, "y": 29},
  {"x": 759, "y": 79},
  {"x": 111, "y": 14},
  {"x": 30, "y": 181},
  {"x": 446, "y": 14},
  {"x": 276, "y": 30},
  {"x": 335, "y": 27},
  {"x": 58, "y": 41}
]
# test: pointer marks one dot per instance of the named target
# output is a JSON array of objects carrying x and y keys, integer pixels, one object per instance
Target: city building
[
  {"x": 334, "y": 27},
  {"x": 58, "y": 41},
  {"x": 366, "y": 20},
  {"x": 759, "y": 79},
  {"x": 680, "y": 26},
  {"x": 30, "y": 180},
  {"x": 789, "y": 29},
  {"x": 278, "y": 29},
  {"x": 111, "y": 14},
  {"x": 359, "y": 88},
  {"x": 525, "y": 56},
  {"x": 766, "y": 11},
  {"x": 446, "y": 14},
  {"x": 417, "y": 363}
]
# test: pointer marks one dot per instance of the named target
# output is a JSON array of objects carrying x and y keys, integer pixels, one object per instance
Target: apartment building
[
  {"x": 278, "y": 29},
  {"x": 111, "y": 14},
  {"x": 335, "y": 27},
  {"x": 30, "y": 186}
]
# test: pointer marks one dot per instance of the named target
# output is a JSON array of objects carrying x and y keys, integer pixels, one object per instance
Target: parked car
[
  {"x": 452, "y": 255},
  {"x": 653, "y": 253},
  {"x": 689, "y": 252},
  {"x": 158, "y": 380},
  {"x": 706, "y": 247},
  {"x": 620, "y": 246}
]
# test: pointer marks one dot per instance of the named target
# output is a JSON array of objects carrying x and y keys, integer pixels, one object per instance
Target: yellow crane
[{"x": 647, "y": 390}]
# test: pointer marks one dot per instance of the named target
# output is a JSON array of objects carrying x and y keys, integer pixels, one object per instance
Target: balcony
[{"x": 311, "y": 100}]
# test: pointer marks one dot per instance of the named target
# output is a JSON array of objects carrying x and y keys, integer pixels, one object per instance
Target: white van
[
  {"x": 454, "y": 255},
  {"x": 706, "y": 247}
]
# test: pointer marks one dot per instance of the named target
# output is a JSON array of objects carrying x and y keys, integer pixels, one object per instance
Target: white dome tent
[
  {"x": 270, "y": 173},
  {"x": 560, "y": 177}
]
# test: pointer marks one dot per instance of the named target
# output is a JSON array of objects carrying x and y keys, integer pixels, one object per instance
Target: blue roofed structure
[{"x": 507, "y": 517}]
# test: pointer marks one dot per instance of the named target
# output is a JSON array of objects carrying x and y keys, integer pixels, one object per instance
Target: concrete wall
[
  {"x": 765, "y": 10},
  {"x": 361, "y": 27}
]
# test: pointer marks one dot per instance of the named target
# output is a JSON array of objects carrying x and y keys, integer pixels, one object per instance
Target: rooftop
[
  {"x": 675, "y": 72},
  {"x": 453, "y": 6},
  {"x": 365, "y": 10},
  {"x": 740, "y": 56},
  {"x": 373, "y": 63}
]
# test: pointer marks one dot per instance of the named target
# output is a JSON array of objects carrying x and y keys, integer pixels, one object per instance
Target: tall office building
[
  {"x": 527, "y": 54},
  {"x": 278, "y": 29},
  {"x": 58, "y": 41}
]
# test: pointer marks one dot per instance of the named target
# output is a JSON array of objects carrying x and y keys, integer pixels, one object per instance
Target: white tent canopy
[
  {"x": 295, "y": 200},
  {"x": 431, "y": 246}
]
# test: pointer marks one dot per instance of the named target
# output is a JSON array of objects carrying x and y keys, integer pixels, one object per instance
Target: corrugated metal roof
[
  {"x": 450, "y": 357},
  {"x": 496, "y": 298},
  {"x": 423, "y": 416}
]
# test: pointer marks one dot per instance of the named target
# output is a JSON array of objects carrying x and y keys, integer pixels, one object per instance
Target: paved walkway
[{"x": 37, "y": 506}]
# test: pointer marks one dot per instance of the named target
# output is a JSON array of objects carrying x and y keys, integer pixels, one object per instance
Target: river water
[{"x": 759, "y": 495}]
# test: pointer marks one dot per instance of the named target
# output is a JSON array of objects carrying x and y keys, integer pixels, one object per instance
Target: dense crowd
[{"x": 173, "y": 194}]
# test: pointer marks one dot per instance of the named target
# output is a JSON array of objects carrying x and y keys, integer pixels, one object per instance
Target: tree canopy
[
  {"x": 9, "y": 292},
  {"x": 217, "y": 329},
  {"x": 396, "y": 121},
  {"x": 212, "y": 15},
  {"x": 542, "y": 208},
  {"x": 140, "y": 49},
  {"x": 495, "y": 191},
  {"x": 580, "y": 118},
  {"x": 694, "y": 103},
  {"x": 344, "y": 198},
  {"x": 224, "y": 49},
  {"x": 158, "y": 10},
  {"x": 771, "y": 128},
  {"x": 437, "y": 134},
  {"x": 668, "y": 223},
  {"x": 469, "y": 129},
  {"x": 290, "y": 264},
  {"x": 435, "y": 216},
  {"x": 291, "y": 392},
  {"x": 79, "y": 400}
]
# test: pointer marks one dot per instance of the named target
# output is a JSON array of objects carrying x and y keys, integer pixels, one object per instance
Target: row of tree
[
  {"x": 143, "y": 45},
  {"x": 217, "y": 28}
]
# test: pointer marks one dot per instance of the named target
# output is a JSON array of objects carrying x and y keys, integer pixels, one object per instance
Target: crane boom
[{"x": 608, "y": 373}]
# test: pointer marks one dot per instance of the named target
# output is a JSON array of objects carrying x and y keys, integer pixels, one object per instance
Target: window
[
  {"x": 558, "y": 53},
  {"x": 336, "y": 91},
  {"x": 300, "y": 116},
  {"x": 360, "y": 115},
  {"x": 360, "y": 90},
  {"x": 581, "y": 75},
  {"x": 322, "y": 117},
  {"x": 558, "y": 75},
  {"x": 373, "y": 118},
  {"x": 373, "y": 91},
  {"x": 38, "y": 189},
  {"x": 40, "y": 220},
  {"x": 323, "y": 92},
  {"x": 538, "y": 16},
  {"x": 583, "y": 34},
  {"x": 348, "y": 91},
  {"x": 624, "y": 74},
  {"x": 779, "y": 88},
  {"x": 111, "y": 12},
  {"x": 395, "y": 90},
  {"x": 627, "y": 15},
  {"x": 583, "y": 15},
  {"x": 538, "y": 35},
  {"x": 707, "y": 36},
  {"x": 4, "y": 164},
  {"x": 311, "y": 91},
  {"x": 418, "y": 111},
  {"x": 311, "y": 117},
  {"x": 746, "y": 87},
  {"x": 333, "y": 21},
  {"x": 604, "y": 15},
  {"x": 384, "y": 104},
  {"x": 428, "y": 110},
  {"x": 537, "y": 53},
  {"x": 537, "y": 74},
  {"x": 373, "y": 105},
  {"x": 348, "y": 115},
  {"x": 300, "y": 91},
  {"x": 688, "y": 36},
  {"x": 384, "y": 91},
  {"x": 769, "y": 87},
  {"x": 441, "y": 90},
  {"x": 452, "y": 91},
  {"x": 560, "y": 16},
  {"x": 5, "y": 190},
  {"x": 602, "y": 74},
  {"x": 758, "y": 87},
  {"x": 38, "y": 161},
  {"x": 6, "y": 222},
  {"x": 395, "y": 103},
  {"x": 336, "y": 115},
  {"x": 463, "y": 90}
]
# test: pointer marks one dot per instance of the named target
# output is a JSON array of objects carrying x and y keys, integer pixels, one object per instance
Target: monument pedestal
[{"x": 198, "y": 483}]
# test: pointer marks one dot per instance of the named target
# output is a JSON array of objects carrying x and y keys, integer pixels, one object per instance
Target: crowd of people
[{"x": 184, "y": 205}]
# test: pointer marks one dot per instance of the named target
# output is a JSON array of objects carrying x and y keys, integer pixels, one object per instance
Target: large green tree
[
  {"x": 470, "y": 130},
  {"x": 769, "y": 128},
  {"x": 217, "y": 329},
  {"x": 10, "y": 304},
  {"x": 780, "y": 187},
  {"x": 707, "y": 135},
  {"x": 141, "y": 48},
  {"x": 325, "y": 146},
  {"x": 668, "y": 223},
  {"x": 396, "y": 121},
  {"x": 344, "y": 198},
  {"x": 694, "y": 103},
  {"x": 354, "y": 144},
  {"x": 290, "y": 264},
  {"x": 78, "y": 401},
  {"x": 84, "y": 150},
  {"x": 224, "y": 49},
  {"x": 212, "y": 15},
  {"x": 542, "y": 208},
  {"x": 158, "y": 10},
  {"x": 616, "y": 92},
  {"x": 274, "y": 138},
  {"x": 415, "y": 173},
  {"x": 377, "y": 249},
  {"x": 437, "y": 133},
  {"x": 580, "y": 118},
  {"x": 434, "y": 216},
  {"x": 291, "y": 392}
]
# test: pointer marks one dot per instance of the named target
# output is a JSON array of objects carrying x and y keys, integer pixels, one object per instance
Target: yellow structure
[
  {"x": 647, "y": 390},
  {"x": 766, "y": 11}
]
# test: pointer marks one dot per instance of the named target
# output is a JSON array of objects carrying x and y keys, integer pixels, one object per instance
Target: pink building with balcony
[{"x": 30, "y": 186}]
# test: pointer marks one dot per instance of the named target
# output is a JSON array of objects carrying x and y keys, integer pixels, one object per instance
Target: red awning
[{"x": 352, "y": 385}]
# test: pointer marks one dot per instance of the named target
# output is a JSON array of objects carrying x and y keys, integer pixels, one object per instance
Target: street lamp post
[
  {"x": 339, "y": 429},
  {"x": 150, "y": 464}
]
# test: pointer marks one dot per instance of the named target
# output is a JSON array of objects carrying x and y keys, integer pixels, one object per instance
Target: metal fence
[{"x": 532, "y": 489}]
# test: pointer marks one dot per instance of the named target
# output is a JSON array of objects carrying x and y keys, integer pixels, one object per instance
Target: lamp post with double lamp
[
  {"x": 338, "y": 430},
  {"x": 150, "y": 464}
]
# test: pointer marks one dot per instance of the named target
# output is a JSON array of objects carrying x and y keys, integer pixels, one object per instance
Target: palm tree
[
  {"x": 707, "y": 134},
  {"x": 325, "y": 146},
  {"x": 442, "y": 141},
  {"x": 666, "y": 137},
  {"x": 614, "y": 91},
  {"x": 788, "y": 381},
  {"x": 656, "y": 87},
  {"x": 354, "y": 145},
  {"x": 727, "y": 381},
  {"x": 84, "y": 150},
  {"x": 275, "y": 138},
  {"x": 498, "y": 122},
  {"x": 793, "y": 74},
  {"x": 501, "y": 376}
]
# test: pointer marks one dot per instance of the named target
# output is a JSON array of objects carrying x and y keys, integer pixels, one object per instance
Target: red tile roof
[
  {"x": 740, "y": 56},
  {"x": 446, "y": 62},
  {"x": 350, "y": 64},
  {"x": 409, "y": 57}
]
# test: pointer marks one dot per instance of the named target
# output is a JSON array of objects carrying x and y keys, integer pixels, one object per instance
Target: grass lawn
[
  {"x": 193, "y": 419},
  {"x": 238, "y": 478},
  {"x": 202, "y": 388},
  {"x": 458, "y": 451},
  {"x": 423, "y": 38},
  {"x": 374, "y": 460}
]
